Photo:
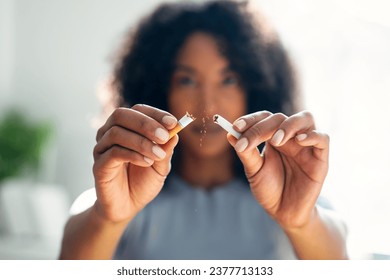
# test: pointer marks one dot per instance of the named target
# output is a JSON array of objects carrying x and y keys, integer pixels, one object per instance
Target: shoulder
[{"x": 84, "y": 201}]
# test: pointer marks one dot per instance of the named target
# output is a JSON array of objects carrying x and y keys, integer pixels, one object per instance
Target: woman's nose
[{"x": 208, "y": 100}]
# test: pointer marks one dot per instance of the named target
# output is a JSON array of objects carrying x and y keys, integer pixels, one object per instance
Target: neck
[{"x": 206, "y": 172}]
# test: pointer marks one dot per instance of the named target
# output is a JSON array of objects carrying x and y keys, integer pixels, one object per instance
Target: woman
[{"x": 220, "y": 198}]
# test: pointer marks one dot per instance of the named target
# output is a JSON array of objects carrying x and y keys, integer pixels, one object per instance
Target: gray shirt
[{"x": 186, "y": 222}]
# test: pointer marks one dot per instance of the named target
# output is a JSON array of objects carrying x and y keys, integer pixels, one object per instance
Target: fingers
[
  {"x": 117, "y": 155},
  {"x": 320, "y": 141},
  {"x": 244, "y": 122},
  {"x": 251, "y": 158},
  {"x": 275, "y": 128},
  {"x": 290, "y": 127},
  {"x": 142, "y": 119},
  {"x": 259, "y": 131},
  {"x": 128, "y": 140},
  {"x": 163, "y": 167},
  {"x": 138, "y": 135}
]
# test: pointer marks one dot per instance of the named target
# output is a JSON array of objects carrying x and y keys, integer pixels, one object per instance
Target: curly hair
[{"x": 147, "y": 60}]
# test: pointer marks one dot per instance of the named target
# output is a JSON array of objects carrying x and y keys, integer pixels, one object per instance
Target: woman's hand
[
  {"x": 132, "y": 159},
  {"x": 287, "y": 177}
]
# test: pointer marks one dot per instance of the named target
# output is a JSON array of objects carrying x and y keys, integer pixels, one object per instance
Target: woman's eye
[
  {"x": 186, "y": 81},
  {"x": 230, "y": 81}
]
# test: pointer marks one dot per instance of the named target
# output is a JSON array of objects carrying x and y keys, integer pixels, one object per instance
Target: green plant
[{"x": 22, "y": 143}]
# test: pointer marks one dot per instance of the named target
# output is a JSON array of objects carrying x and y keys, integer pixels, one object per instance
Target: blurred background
[{"x": 55, "y": 56}]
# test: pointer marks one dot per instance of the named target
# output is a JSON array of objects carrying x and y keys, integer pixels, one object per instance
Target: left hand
[{"x": 287, "y": 177}]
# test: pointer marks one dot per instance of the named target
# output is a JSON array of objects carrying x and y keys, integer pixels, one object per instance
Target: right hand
[{"x": 131, "y": 161}]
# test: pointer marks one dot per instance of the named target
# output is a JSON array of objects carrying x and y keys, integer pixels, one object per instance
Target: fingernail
[
  {"x": 161, "y": 134},
  {"x": 241, "y": 144},
  {"x": 278, "y": 137},
  {"x": 240, "y": 124},
  {"x": 169, "y": 120},
  {"x": 148, "y": 160},
  {"x": 301, "y": 137},
  {"x": 160, "y": 153}
]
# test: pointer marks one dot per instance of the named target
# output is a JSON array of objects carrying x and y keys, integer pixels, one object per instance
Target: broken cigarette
[
  {"x": 225, "y": 124},
  {"x": 182, "y": 123}
]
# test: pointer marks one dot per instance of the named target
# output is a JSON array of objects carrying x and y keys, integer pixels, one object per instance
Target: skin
[
  {"x": 132, "y": 160},
  {"x": 203, "y": 84}
]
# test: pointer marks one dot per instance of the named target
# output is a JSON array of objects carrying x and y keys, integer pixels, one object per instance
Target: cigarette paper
[
  {"x": 182, "y": 123},
  {"x": 225, "y": 124}
]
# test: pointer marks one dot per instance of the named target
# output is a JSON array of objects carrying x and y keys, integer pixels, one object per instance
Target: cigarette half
[
  {"x": 225, "y": 124},
  {"x": 182, "y": 123}
]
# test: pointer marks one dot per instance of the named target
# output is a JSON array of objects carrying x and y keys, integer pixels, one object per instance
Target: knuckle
[
  {"x": 254, "y": 132},
  {"x": 99, "y": 134},
  {"x": 116, "y": 115},
  {"x": 251, "y": 118},
  {"x": 95, "y": 168},
  {"x": 114, "y": 152},
  {"x": 95, "y": 152},
  {"x": 143, "y": 124},
  {"x": 138, "y": 107},
  {"x": 280, "y": 116},
  {"x": 308, "y": 115},
  {"x": 326, "y": 137},
  {"x": 257, "y": 130},
  {"x": 281, "y": 120},
  {"x": 143, "y": 144},
  {"x": 113, "y": 133},
  {"x": 258, "y": 116},
  {"x": 265, "y": 113}
]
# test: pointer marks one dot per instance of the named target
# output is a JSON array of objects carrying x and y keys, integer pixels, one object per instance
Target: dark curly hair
[{"x": 147, "y": 61}]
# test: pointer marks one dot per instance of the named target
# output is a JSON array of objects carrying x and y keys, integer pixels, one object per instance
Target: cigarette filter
[
  {"x": 182, "y": 123},
  {"x": 225, "y": 124}
]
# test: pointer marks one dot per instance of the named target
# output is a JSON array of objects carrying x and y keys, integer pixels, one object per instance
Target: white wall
[
  {"x": 6, "y": 50},
  {"x": 61, "y": 50}
]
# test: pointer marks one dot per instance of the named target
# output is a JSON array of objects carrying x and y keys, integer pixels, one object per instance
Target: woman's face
[{"x": 203, "y": 84}]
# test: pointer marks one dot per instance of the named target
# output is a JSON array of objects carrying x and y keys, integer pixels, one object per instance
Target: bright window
[{"x": 341, "y": 49}]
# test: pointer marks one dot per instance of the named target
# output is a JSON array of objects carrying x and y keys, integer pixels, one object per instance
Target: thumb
[{"x": 251, "y": 159}]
